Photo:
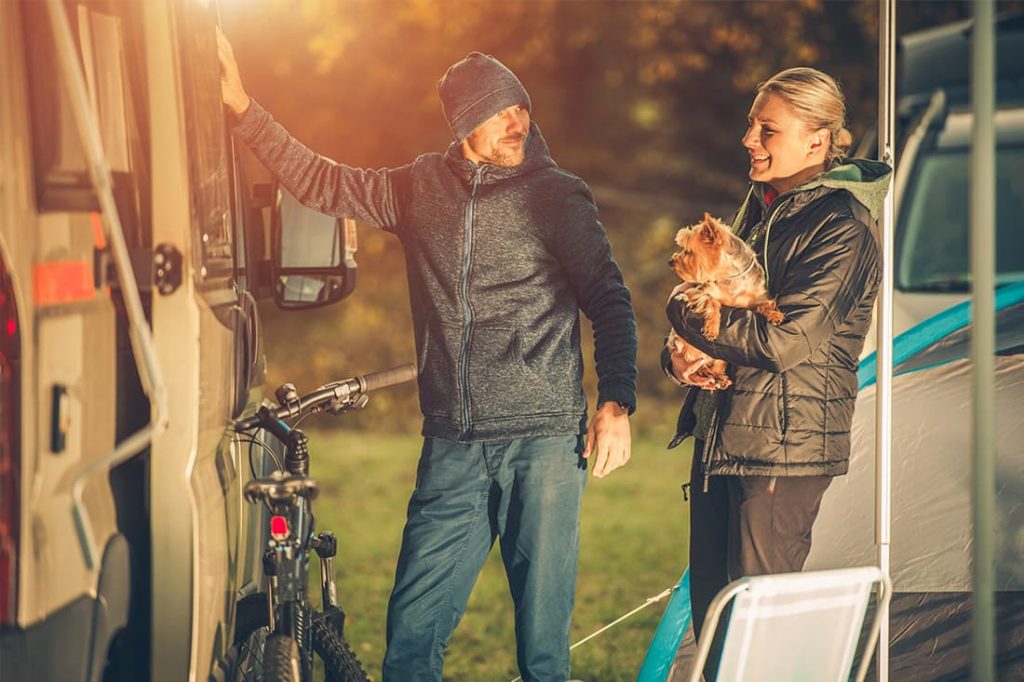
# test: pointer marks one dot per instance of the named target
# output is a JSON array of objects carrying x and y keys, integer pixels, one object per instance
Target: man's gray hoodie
[{"x": 500, "y": 261}]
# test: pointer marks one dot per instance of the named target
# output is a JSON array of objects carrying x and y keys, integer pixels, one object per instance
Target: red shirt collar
[{"x": 769, "y": 195}]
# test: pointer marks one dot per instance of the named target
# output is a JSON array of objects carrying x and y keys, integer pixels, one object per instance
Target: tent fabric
[
  {"x": 931, "y": 482},
  {"x": 674, "y": 623},
  {"x": 931, "y": 542},
  {"x": 931, "y": 548},
  {"x": 910, "y": 347}
]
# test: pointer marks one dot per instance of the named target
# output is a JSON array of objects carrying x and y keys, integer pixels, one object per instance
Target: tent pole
[
  {"x": 982, "y": 256},
  {"x": 883, "y": 394}
]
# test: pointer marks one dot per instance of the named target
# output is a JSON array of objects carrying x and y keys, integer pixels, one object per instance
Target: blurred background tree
[{"x": 646, "y": 101}]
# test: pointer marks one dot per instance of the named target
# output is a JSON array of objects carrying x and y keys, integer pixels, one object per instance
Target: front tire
[
  {"x": 281, "y": 660},
  {"x": 340, "y": 663}
]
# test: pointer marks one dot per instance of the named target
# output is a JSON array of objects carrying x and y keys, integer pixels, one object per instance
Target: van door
[{"x": 207, "y": 333}]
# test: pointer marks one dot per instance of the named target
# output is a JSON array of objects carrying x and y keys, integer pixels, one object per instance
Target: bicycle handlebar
[
  {"x": 388, "y": 377},
  {"x": 344, "y": 391}
]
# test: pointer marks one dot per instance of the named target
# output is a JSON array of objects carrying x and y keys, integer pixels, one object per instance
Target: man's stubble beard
[{"x": 506, "y": 157}]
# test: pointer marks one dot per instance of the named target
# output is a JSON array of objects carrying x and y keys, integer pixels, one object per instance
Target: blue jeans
[{"x": 527, "y": 491}]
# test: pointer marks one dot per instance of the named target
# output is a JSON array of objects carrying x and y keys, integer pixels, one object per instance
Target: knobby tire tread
[
  {"x": 340, "y": 662},
  {"x": 281, "y": 660}
]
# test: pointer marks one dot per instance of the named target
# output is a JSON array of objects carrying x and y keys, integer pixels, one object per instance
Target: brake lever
[{"x": 339, "y": 406}]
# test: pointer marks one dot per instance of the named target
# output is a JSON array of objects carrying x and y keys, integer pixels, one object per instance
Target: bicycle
[{"x": 278, "y": 631}]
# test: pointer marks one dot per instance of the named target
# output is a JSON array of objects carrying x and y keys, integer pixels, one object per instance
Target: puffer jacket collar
[{"x": 537, "y": 156}]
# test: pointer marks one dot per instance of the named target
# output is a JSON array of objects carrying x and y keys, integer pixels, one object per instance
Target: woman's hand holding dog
[
  {"x": 679, "y": 293},
  {"x": 689, "y": 372}
]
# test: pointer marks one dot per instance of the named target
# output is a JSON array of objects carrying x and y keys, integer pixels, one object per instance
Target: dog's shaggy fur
[{"x": 723, "y": 271}]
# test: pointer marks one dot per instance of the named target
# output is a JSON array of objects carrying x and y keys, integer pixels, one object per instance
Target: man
[{"x": 503, "y": 249}]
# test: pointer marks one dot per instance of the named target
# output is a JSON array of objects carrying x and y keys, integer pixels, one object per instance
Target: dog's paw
[{"x": 771, "y": 313}]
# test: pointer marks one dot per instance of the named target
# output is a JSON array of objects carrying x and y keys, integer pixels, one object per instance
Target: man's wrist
[
  {"x": 618, "y": 406},
  {"x": 240, "y": 107}
]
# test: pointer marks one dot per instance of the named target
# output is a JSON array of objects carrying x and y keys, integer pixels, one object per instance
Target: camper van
[
  {"x": 132, "y": 254},
  {"x": 934, "y": 121}
]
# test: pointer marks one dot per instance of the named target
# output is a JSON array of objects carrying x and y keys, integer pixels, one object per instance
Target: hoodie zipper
[{"x": 467, "y": 309}]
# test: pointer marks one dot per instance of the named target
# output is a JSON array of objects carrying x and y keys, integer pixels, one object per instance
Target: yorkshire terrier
[{"x": 722, "y": 270}]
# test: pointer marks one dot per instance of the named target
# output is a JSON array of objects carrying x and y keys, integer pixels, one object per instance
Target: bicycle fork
[{"x": 326, "y": 546}]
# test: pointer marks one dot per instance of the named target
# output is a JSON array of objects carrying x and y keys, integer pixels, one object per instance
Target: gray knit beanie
[{"x": 476, "y": 88}]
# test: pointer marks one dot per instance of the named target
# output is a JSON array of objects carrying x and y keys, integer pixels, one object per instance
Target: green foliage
[
  {"x": 634, "y": 541},
  {"x": 646, "y": 101}
]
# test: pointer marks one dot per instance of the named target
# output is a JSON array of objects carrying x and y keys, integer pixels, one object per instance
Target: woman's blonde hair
[{"x": 818, "y": 102}]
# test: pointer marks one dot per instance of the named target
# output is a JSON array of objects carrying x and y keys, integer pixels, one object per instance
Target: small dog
[{"x": 723, "y": 271}]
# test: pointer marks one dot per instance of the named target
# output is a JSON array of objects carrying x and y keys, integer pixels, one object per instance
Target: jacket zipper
[
  {"x": 467, "y": 309},
  {"x": 767, "y": 233},
  {"x": 710, "y": 442},
  {"x": 783, "y": 420}
]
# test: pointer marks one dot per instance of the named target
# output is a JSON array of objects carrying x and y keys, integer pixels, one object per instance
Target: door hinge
[
  {"x": 160, "y": 268},
  {"x": 167, "y": 270}
]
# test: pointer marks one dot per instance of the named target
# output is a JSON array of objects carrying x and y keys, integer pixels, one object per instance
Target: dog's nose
[{"x": 671, "y": 262}]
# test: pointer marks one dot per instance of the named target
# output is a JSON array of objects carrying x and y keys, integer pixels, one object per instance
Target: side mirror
[{"x": 313, "y": 255}]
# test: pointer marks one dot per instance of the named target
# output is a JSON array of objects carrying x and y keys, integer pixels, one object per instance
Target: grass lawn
[{"x": 634, "y": 539}]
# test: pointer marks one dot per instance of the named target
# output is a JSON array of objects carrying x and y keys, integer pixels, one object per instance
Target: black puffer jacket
[
  {"x": 500, "y": 261},
  {"x": 790, "y": 408}
]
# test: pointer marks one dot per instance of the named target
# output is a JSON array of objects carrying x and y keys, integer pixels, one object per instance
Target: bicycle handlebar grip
[{"x": 388, "y": 377}]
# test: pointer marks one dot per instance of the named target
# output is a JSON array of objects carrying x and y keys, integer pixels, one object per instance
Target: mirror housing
[{"x": 313, "y": 255}]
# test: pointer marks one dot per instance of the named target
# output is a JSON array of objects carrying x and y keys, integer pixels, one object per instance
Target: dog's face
[{"x": 701, "y": 247}]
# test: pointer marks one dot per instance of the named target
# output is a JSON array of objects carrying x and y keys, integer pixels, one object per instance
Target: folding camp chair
[{"x": 794, "y": 627}]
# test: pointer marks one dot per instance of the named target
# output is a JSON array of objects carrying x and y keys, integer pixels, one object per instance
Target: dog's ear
[
  {"x": 682, "y": 236},
  {"x": 708, "y": 231}
]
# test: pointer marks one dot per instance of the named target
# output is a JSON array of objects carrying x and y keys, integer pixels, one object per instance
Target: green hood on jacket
[{"x": 865, "y": 179}]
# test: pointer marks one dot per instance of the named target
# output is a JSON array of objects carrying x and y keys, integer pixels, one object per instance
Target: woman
[{"x": 767, "y": 448}]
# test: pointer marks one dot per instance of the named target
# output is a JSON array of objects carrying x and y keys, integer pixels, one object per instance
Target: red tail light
[
  {"x": 10, "y": 451},
  {"x": 279, "y": 528}
]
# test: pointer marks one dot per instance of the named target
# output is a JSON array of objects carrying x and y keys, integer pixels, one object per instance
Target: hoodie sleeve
[
  {"x": 316, "y": 181},
  {"x": 580, "y": 244},
  {"x": 824, "y": 283}
]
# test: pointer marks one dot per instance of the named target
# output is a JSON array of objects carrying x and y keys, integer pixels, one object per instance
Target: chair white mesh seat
[{"x": 794, "y": 627}]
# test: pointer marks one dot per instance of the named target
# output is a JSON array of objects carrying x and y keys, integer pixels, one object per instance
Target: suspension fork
[{"x": 326, "y": 546}]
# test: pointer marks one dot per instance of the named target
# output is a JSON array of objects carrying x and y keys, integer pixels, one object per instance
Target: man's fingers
[
  {"x": 222, "y": 41},
  {"x": 600, "y": 467},
  {"x": 591, "y": 438},
  {"x": 617, "y": 460}
]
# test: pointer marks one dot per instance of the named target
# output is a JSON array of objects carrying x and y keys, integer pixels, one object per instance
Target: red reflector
[
  {"x": 278, "y": 527},
  {"x": 10, "y": 449},
  {"x": 62, "y": 282}
]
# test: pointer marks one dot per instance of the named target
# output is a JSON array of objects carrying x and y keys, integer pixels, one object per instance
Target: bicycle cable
[{"x": 252, "y": 440}]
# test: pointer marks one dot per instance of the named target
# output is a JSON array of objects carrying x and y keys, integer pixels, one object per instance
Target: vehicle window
[
  {"x": 112, "y": 64},
  {"x": 933, "y": 234},
  {"x": 207, "y": 144}
]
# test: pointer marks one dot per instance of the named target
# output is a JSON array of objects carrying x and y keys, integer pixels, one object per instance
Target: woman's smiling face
[{"x": 783, "y": 152}]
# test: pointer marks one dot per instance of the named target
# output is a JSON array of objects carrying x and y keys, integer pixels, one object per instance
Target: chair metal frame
[{"x": 836, "y": 577}]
